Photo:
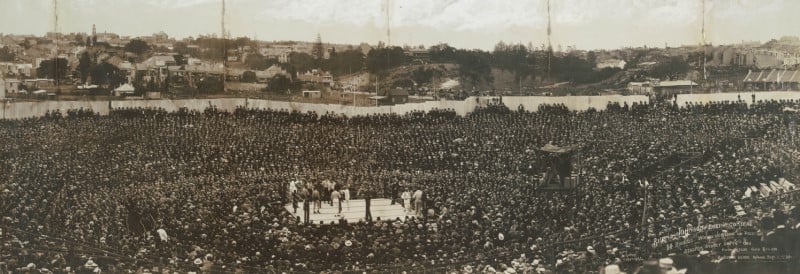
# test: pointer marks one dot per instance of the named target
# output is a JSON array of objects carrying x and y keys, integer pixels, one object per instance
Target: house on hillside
[
  {"x": 160, "y": 60},
  {"x": 775, "y": 79},
  {"x": 312, "y": 94},
  {"x": 234, "y": 74},
  {"x": 262, "y": 76},
  {"x": 642, "y": 88},
  {"x": 392, "y": 96},
  {"x": 316, "y": 76},
  {"x": 611, "y": 63},
  {"x": 417, "y": 54},
  {"x": 11, "y": 85}
]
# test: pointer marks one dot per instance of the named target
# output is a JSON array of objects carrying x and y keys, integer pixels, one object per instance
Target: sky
[{"x": 585, "y": 24}]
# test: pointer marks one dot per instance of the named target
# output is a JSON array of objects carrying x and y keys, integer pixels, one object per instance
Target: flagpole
[{"x": 646, "y": 198}]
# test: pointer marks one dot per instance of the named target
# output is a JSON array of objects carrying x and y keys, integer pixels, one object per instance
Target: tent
[
  {"x": 124, "y": 89},
  {"x": 549, "y": 147},
  {"x": 312, "y": 94}
]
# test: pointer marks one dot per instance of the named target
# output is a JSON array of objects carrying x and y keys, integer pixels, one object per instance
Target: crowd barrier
[{"x": 20, "y": 110}]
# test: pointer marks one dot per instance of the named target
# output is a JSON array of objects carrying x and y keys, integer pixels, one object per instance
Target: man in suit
[
  {"x": 317, "y": 200},
  {"x": 306, "y": 206},
  {"x": 418, "y": 202},
  {"x": 367, "y": 194}
]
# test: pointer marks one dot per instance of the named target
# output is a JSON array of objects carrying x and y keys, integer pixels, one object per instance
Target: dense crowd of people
[{"x": 154, "y": 191}]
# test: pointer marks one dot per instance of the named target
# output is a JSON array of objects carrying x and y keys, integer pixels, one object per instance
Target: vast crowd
[{"x": 153, "y": 191}]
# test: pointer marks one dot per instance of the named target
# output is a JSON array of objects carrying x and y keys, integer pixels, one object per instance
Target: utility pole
[
  {"x": 549, "y": 42},
  {"x": 56, "y": 60},
  {"x": 388, "y": 22},
  {"x": 703, "y": 32},
  {"x": 353, "y": 90},
  {"x": 224, "y": 49}
]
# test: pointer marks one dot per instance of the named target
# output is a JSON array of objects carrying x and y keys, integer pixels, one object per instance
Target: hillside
[{"x": 443, "y": 76}]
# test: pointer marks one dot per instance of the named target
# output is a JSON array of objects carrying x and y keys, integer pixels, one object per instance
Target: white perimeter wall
[{"x": 19, "y": 110}]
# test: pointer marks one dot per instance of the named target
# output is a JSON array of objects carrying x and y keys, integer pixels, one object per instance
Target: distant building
[
  {"x": 160, "y": 61},
  {"x": 153, "y": 70},
  {"x": 640, "y": 87},
  {"x": 759, "y": 58},
  {"x": 7, "y": 68},
  {"x": 416, "y": 54},
  {"x": 392, "y": 96},
  {"x": 611, "y": 63},
  {"x": 10, "y": 86},
  {"x": 263, "y": 76},
  {"x": 313, "y": 94},
  {"x": 674, "y": 87},
  {"x": 106, "y": 37},
  {"x": 279, "y": 52},
  {"x": 316, "y": 76},
  {"x": 662, "y": 87},
  {"x": 160, "y": 36},
  {"x": 775, "y": 79},
  {"x": 790, "y": 40}
]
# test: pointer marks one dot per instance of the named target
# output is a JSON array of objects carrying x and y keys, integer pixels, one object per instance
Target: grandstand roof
[
  {"x": 775, "y": 75},
  {"x": 677, "y": 83}
]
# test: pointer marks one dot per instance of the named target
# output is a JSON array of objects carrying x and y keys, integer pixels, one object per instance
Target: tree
[
  {"x": 442, "y": 53},
  {"x": 404, "y": 83},
  {"x": 214, "y": 48},
  {"x": 422, "y": 75},
  {"x": 179, "y": 59},
  {"x": 78, "y": 40},
  {"x": 591, "y": 57},
  {"x": 381, "y": 59},
  {"x": 572, "y": 69},
  {"x": 137, "y": 47},
  {"x": 181, "y": 48},
  {"x": 259, "y": 62},
  {"x": 474, "y": 66},
  {"x": 107, "y": 74},
  {"x": 6, "y": 55},
  {"x": 242, "y": 42},
  {"x": 210, "y": 85},
  {"x": 56, "y": 68},
  {"x": 346, "y": 62},
  {"x": 515, "y": 58},
  {"x": 302, "y": 62},
  {"x": 249, "y": 77},
  {"x": 673, "y": 68},
  {"x": 279, "y": 83},
  {"x": 318, "y": 51},
  {"x": 85, "y": 65}
]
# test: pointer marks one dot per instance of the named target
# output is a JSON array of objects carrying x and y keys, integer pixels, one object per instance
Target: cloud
[
  {"x": 458, "y": 15},
  {"x": 471, "y": 15},
  {"x": 159, "y": 4},
  {"x": 353, "y": 12}
]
